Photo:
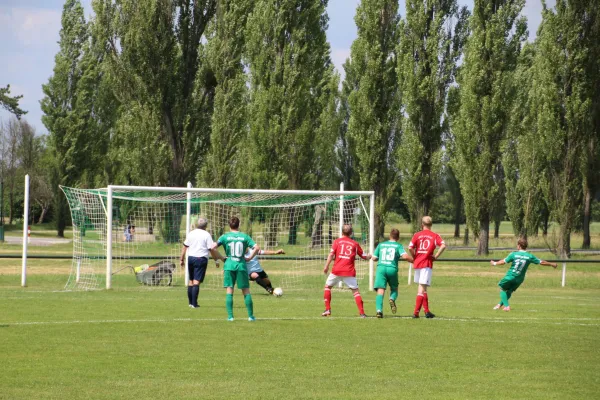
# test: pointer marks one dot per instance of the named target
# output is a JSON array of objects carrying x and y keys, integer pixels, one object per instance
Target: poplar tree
[
  {"x": 374, "y": 102},
  {"x": 229, "y": 125},
  {"x": 433, "y": 35},
  {"x": 67, "y": 142},
  {"x": 157, "y": 67},
  {"x": 485, "y": 103},
  {"x": 563, "y": 106},
  {"x": 293, "y": 91}
]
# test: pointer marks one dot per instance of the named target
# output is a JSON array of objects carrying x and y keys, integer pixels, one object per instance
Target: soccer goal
[{"x": 126, "y": 233}]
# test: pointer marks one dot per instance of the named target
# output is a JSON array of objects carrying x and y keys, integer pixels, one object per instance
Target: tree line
[{"x": 443, "y": 110}]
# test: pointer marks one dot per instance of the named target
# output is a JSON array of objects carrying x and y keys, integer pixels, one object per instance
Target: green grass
[{"x": 136, "y": 342}]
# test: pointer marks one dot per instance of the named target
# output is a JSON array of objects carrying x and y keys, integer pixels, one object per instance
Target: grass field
[
  {"x": 136, "y": 342},
  {"x": 140, "y": 342}
]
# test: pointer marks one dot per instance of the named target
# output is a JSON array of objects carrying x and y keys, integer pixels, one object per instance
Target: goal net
[{"x": 124, "y": 236}]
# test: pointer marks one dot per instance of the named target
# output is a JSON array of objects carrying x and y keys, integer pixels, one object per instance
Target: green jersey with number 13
[
  {"x": 389, "y": 253},
  {"x": 235, "y": 244},
  {"x": 520, "y": 262}
]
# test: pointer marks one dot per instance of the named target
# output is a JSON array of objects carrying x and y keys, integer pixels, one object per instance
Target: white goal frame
[{"x": 189, "y": 190}]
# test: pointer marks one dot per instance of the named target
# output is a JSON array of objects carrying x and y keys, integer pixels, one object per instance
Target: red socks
[
  {"x": 420, "y": 299},
  {"x": 327, "y": 297},
  {"x": 359, "y": 302},
  {"x": 425, "y": 302}
]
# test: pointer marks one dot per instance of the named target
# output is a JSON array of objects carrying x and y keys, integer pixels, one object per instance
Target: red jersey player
[
  {"x": 421, "y": 247},
  {"x": 345, "y": 251}
]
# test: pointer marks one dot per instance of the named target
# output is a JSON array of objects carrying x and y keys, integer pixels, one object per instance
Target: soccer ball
[{"x": 278, "y": 292}]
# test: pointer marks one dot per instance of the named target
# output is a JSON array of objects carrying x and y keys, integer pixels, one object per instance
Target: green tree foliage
[
  {"x": 562, "y": 107},
  {"x": 485, "y": 103},
  {"x": 293, "y": 124},
  {"x": 375, "y": 102},
  {"x": 433, "y": 35},
  {"x": 156, "y": 67},
  {"x": 68, "y": 143},
  {"x": 229, "y": 131},
  {"x": 522, "y": 160},
  {"x": 10, "y": 103}
]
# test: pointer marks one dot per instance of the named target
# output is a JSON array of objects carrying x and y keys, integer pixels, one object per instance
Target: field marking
[{"x": 546, "y": 321}]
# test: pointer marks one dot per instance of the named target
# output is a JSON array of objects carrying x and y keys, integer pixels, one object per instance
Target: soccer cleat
[
  {"x": 251, "y": 319},
  {"x": 326, "y": 313},
  {"x": 393, "y": 306},
  {"x": 415, "y": 316},
  {"x": 497, "y": 307},
  {"x": 270, "y": 290},
  {"x": 429, "y": 315},
  {"x": 230, "y": 319},
  {"x": 379, "y": 314},
  {"x": 506, "y": 308},
  {"x": 363, "y": 316},
  {"x": 191, "y": 306}
]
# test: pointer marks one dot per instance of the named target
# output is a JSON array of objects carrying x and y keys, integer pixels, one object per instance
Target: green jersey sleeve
[
  {"x": 221, "y": 240},
  {"x": 249, "y": 242},
  {"x": 535, "y": 260},
  {"x": 510, "y": 258},
  {"x": 376, "y": 252}
]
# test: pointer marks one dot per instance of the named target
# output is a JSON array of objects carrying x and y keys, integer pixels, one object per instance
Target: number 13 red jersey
[
  {"x": 424, "y": 243},
  {"x": 345, "y": 250}
]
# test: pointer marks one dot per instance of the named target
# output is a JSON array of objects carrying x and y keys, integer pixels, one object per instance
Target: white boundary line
[{"x": 547, "y": 321}]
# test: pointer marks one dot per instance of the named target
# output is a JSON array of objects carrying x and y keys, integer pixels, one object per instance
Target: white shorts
[
  {"x": 423, "y": 276},
  {"x": 350, "y": 281}
]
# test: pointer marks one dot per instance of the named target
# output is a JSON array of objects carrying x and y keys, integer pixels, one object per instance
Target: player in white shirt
[
  {"x": 198, "y": 244},
  {"x": 255, "y": 271}
]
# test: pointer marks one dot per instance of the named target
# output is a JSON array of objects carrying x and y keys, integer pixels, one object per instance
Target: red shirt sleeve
[
  {"x": 412, "y": 241},
  {"x": 359, "y": 250},
  {"x": 334, "y": 247},
  {"x": 439, "y": 241}
]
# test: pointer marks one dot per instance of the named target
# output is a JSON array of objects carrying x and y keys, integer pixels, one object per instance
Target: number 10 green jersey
[{"x": 235, "y": 244}]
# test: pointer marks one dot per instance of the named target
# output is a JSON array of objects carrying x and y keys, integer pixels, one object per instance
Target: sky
[{"x": 30, "y": 31}]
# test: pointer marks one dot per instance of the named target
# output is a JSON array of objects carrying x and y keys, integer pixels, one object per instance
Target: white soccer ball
[{"x": 278, "y": 292}]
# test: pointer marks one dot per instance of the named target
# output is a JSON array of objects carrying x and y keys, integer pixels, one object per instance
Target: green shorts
[
  {"x": 231, "y": 278},
  {"x": 386, "y": 276},
  {"x": 508, "y": 283}
]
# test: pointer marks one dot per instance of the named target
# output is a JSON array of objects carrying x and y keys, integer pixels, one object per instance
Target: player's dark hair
[
  {"x": 395, "y": 234},
  {"x": 234, "y": 222},
  {"x": 522, "y": 243}
]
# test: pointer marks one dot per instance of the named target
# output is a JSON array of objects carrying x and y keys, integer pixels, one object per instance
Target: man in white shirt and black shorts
[{"x": 198, "y": 244}]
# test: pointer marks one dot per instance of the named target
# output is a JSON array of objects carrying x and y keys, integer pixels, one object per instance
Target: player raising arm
[
  {"x": 255, "y": 271},
  {"x": 520, "y": 261},
  {"x": 421, "y": 248},
  {"x": 344, "y": 250},
  {"x": 388, "y": 254}
]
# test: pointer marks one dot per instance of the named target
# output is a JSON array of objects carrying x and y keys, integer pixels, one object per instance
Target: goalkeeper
[
  {"x": 255, "y": 271},
  {"x": 520, "y": 261}
]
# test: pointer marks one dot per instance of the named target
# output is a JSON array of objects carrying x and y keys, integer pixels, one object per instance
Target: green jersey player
[
  {"x": 388, "y": 254},
  {"x": 520, "y": 261},
  {"x": 234, "y": 271}
]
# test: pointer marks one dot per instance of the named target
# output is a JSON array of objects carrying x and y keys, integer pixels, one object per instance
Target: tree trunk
[
  {"x": 563, "y": 249},
  {"x": 379, "y": 226},
  {"x": 484, "y": 235},
  {"x": 42, "y": 215},
  {"x": 587, "y": 206},
  {"x": 466, "y": 239},
  {"x": 61, "y": 216},
  {"x": 457, "y": 215},
  {"x": 293, "y": 226},
  {"x": 497, "y": 229}
]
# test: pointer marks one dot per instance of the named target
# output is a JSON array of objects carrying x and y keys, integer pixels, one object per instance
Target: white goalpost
[{"x": 123, "y": 234}]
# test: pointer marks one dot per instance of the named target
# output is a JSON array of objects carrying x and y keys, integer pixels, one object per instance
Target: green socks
[
  {"x": 229, "y": 304},
  {"x": 249, "y": 305},
  {"x": 504, "y": 298},
  {"x": 394, "y": 294},
  {"x": 379, "y": 302}
]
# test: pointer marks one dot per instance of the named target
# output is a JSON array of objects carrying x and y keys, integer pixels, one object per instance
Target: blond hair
[{"x": 427, "y": 221}]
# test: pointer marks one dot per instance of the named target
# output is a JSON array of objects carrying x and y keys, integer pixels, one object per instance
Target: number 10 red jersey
[
  {"x": 345, "y": 250},
  {"x": 424, "y": 243}
]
